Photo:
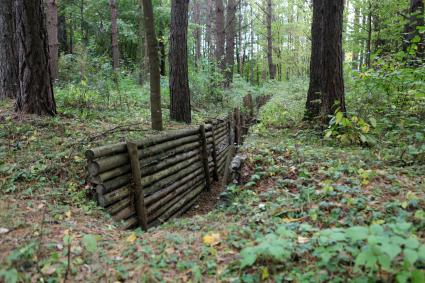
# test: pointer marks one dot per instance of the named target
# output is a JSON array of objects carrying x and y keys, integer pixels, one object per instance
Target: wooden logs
[
  {"x": 204, "y": 157},
  {"x": 147, "y": 182},
  {"x": 121, "y": 147},
  {"x": 139, "y": 197},
  {"x": 214, "y": 155}
]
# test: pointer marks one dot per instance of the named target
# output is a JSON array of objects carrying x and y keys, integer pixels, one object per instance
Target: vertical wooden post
[
  {"x": 229, "y": 127},
  {"x": 204, "y": 156},
  {"x": 139, "y": 196},
  {"x": 237, "y": 119},
  {"x": 214, "y": 154}
]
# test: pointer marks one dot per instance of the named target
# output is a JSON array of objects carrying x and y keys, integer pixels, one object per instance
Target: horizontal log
[
  {"x": 185, "y": 208},
  {"x": 159, "y": 185},
  {"x": 130, "y": 223},
  {"x": 105, "y": 164},
  {"x": 144, "y": 163},
  {"x": 114, "y": 184},
  {"x": 148, "y": 141},
  {"x": 177, "y": 203},
  {"x": 148, "y": 180},
  {"x": 182, "y": 189},
  {"x": 124, "y": 213},
  {"x": 108, "y": 175},
  {"x": 158, "y": 195},
  {"x": 117, "y": 207},
  {"x": 114, "y": 196}
]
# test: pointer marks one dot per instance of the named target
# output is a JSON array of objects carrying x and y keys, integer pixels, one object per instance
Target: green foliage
[
  {"x": 350, "y": 130},
  {"x": 276, "y": 247}
]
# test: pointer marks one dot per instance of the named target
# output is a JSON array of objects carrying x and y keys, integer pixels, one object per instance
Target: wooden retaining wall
[{"x": 160, "y": 177}]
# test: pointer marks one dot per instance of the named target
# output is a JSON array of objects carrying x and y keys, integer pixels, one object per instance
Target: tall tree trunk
[
  {"x": 71, "y": 36},
  {"x": 8, "y": 59},
  {"x": 355, "y": 57},
  {"x": 230, "y": 41},
  {"x": 333, "y": 82},
  {"x": 313, "y": 96},
  {"x": 272, "y": 67},
  {"x": 83, "y": 23},
  {"x": 208, "y": 19},
  {"x": 251, "y": 63},
  {"x": 141, "y": 47},
  {"x": 35, "y": 82},
  {"x": 369, "y": 36},
  {"x": 416, "y": 19},
  {"x": 52, "y": 33},
  {"x": 114, "y": 34},
  {"x": 63, "y": 34},
  {"x": 162, "y": 53},
  {"x": 155, "y": 78},
  {"x": 197, "y": 31},
  {"x": 220, "y": 34},
  {"x": 179, "y": 80}
]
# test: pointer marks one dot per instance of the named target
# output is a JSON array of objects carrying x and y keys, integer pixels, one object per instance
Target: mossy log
[
  {"x": 114, "y": 149},
  {"x": 120, "y": 205},
  {"x": 130, "y": 223},
  {"x": 105, "y": 164},
  {"x": 124, "y": 213},
  {"x": 156, "y": 206},
  {"x": 185, "y": 208},
  {"x": 145, "y": 163},
  {"x": 148, "y": 180},
  {"x": 204, "y": 157},
  {"x": 114, "y": 196},
  {"x": 179, "y": 203},
  {"x": 160, "y": 184},
  {"x": 164, "y": 192}
]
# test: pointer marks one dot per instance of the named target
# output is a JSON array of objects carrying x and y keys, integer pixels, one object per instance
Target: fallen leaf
[
  {"x": 132, "y": 238},
  {"x": 212, "y": 239},
  {"x": 290, "y": 220}
]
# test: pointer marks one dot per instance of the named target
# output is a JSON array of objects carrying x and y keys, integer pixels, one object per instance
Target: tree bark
[
  {"x": 269, "y": 20},
  {"x": 161, "y": 46},
  {"x": 62, "y": 33},
  {"x": 35, "y": 83},
  {"x": 369, "y": 36},
  {"x": 197, "y": 30},
  {"x": 220, "y": 34},
  {"x": 230, "y": 40},
  {"x": 52, "y": 33},
  {"x": 316, "y": 68},
  {"x": 8, "y": 59},
  {"x": 155, "y": 78},
  {"x": 208, "y": 29},
  {"x": 114, "y": 34},
  {"x": 179, "y": 79},
  {"x": 142, "y": 47},
  {"x": 333, "y": 81},
  {"x": 355, "y": 57}
]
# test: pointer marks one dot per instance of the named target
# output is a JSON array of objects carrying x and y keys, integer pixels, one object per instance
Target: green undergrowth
[{"x": 310, "y": 208}]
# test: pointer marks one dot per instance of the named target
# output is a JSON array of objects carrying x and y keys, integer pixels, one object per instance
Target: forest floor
[{"x": 308, "y": 210}]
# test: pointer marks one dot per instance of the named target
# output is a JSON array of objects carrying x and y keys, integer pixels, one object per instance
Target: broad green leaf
[
  {"x": 90, "y": 243},
  {"x": 410, "y": 255},
  {"x": 357, "y": 233},
  {"x": 248, "y": 257},
  {"x": 418, "y": 276},
  {"x": 339, "y": 116}
]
